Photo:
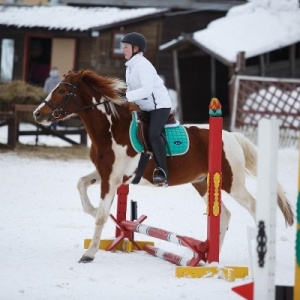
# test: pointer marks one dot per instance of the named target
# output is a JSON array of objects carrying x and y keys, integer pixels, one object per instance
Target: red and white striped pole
[
  {"x": 168, "y": 256},
  {"x": 161, "y": 234},
  {"x": 199, "y": 248},
  {"x": 214, "y": 180}
]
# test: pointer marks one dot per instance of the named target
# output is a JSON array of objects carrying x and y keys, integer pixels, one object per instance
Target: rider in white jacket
[
  {"x": 146, "y": 89},
  {"x": 144, "y": 86}
]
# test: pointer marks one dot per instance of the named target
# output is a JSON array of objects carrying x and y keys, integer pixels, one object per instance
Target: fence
[{"x": 255, "y": 98}]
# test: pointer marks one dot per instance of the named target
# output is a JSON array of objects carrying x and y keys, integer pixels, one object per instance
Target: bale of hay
[{"x": 20, "y": 92}]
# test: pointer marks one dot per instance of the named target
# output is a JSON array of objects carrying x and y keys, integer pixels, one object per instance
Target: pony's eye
[{"x": 62, "y": 91}]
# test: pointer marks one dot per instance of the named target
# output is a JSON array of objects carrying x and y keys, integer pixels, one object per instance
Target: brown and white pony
[{"x": 107, "y": 119}]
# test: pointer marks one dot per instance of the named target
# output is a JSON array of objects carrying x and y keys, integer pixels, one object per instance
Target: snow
[
  {"x": 42, "y": 228},
  {"x": 68, "y": 17},
  {"x": 257, "y": 27}
]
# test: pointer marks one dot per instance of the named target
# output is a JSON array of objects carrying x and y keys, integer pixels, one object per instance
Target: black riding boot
[
  {"x": 143, "y": 162},
  {"x": 160, "y": 174}
]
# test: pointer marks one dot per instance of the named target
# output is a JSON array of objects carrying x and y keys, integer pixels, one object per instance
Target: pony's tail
[{"x": 250, "y": 153}]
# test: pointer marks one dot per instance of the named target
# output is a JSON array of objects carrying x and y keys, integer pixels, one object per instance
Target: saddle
[
  {"x": 174, "y": 134},
  {"x": 143, "y": 126}
]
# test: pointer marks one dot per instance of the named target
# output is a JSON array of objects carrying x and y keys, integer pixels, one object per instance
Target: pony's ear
[
  {"x": 70, "y": 72},
  {"x": 76, "y": 76},
  {"x": 80, "y": 74}
]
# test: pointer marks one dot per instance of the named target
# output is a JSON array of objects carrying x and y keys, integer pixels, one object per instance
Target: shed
[
  {"x": 36, "y": 38},
  {"x": 252, "y": 39}
]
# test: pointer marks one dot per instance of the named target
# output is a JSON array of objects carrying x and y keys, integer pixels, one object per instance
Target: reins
[{"x": 60, "y": 109}]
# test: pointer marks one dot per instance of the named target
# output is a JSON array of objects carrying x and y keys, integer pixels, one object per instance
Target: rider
[{"x": 146, "y": 89}]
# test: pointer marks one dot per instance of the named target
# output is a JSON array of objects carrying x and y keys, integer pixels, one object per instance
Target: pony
[{"x": 107, "y": 117}]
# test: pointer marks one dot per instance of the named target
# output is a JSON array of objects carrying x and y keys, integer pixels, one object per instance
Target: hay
[{"x": 20, "y": 92}]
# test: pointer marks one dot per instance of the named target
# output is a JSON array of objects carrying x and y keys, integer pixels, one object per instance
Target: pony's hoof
[{"x": 85, "y": 259}]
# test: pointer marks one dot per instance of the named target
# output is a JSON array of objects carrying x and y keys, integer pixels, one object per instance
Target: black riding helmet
[{"x": 135, "y": 39}]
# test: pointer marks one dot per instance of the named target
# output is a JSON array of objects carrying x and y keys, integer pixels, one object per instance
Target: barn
[
  {"x": 36, "y": 38},
  {"x": 250, "y": 40}
]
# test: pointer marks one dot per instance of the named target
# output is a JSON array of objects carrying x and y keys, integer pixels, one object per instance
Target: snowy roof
[
  {"x": 257, "y": 27},
  {"x": 69, "y": 17}
]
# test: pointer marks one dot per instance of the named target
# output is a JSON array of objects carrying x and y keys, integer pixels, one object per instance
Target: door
[
  {"x": 63, "y": 54},
  {"x": 39, "y": 53}
]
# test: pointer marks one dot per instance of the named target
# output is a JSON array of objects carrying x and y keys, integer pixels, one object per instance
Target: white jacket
[{"x": 144, "y": 85}]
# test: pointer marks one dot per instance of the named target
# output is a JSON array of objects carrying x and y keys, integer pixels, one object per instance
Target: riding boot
[
  {"x": 160, "y": 174},
  {"x": 143, "y": 162}
]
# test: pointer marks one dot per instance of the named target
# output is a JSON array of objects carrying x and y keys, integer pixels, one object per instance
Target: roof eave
[
  {"x": 187, "y": 38},
  {"x": 211, "y": 52},
  {"x": 180, "y": 41}
]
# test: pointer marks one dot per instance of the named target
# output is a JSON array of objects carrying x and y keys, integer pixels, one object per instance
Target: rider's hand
[{"x": 122, "y": 95}]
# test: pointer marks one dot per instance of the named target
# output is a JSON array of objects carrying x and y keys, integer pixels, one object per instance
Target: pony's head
[{"x": 78, "y": 92}]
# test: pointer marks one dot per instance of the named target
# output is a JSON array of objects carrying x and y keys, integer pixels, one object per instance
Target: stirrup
[{"x": 160, "y": 177}]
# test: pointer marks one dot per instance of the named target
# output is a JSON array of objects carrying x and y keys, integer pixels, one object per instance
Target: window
[
  {"x": 7, "y": 60},
  {"x": 117, "y": 44}
]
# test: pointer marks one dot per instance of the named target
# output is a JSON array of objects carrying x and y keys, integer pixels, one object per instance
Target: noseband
[{"x": 60, "y": 109}]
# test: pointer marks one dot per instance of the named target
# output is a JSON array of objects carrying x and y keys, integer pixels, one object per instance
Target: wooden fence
[{"x": 10, "y": 119}]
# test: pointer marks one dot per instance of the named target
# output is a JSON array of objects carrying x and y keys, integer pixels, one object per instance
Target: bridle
[{"x": 60, "y": 109}]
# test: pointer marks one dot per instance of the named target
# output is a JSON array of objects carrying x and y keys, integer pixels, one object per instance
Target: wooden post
[
  {"x": 177, "y": 84},
  {"x": 214, "y": 180}
]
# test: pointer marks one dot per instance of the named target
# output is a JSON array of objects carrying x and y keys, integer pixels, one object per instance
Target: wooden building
[
  {"x": 35, "y": 38},
  {"x": 69, "y": 45}
]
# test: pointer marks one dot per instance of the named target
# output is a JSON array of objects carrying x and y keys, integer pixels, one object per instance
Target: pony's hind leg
[
  {"x": 244, "y": 198},
  {"x": 82, "y": 186},
  {"x": 201, "y": 188}
]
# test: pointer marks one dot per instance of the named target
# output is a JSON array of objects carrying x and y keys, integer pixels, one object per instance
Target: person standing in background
[{"x": 52, "y": 81}]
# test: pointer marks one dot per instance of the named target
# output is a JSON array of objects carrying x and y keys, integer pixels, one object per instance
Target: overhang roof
[{"x": 252, "y": 28}]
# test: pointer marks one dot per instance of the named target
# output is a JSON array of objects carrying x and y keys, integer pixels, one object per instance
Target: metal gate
[{"x": 255, "y": 98}]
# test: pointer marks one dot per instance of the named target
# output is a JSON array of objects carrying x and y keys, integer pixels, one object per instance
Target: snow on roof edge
[{"x": 71, "y": 18}]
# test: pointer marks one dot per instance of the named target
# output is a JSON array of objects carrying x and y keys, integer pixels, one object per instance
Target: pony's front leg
[
  {"x": 101, "y": 218},
  {"x": 82, "y": 186}
]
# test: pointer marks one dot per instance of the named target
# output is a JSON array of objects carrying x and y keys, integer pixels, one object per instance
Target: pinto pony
[{"x": 107, "y": 117}]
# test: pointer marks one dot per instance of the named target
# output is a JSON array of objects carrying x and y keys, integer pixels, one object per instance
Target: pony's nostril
[{"x": 36, "y": 113}]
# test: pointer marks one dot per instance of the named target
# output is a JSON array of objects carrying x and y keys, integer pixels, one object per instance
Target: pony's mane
[{"x": 108, "y": 87}]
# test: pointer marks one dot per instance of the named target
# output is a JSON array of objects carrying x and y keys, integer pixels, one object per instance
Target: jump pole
[
  {"x": 263, "y": 286},
  {"x": 297, "y": 264},
  {"x": 214, "y": 180},
  {"x": 214, "y": 184}
]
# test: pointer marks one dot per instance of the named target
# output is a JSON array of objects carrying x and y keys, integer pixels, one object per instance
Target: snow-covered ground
[{"x": 42, "y": 228}]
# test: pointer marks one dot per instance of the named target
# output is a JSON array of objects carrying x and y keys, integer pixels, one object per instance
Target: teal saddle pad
[{"x": 178, "y": 139}]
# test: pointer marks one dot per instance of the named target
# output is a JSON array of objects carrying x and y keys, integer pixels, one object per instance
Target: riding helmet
[{"x": 135, "y": 39}]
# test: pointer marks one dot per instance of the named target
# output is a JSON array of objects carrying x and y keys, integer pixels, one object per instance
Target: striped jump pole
[{"x": 199, "y": 248}]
